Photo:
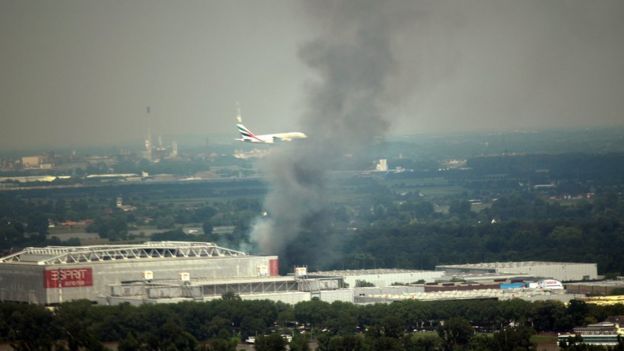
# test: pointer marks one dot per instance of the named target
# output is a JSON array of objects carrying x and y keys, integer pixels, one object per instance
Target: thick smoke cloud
[{"x": 354, "y": 65}]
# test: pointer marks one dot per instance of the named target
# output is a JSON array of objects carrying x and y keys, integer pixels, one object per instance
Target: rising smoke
[{"x": 354, "y": 62}]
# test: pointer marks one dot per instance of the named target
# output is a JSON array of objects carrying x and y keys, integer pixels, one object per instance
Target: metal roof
[
  {"x": 495, "y": 265},
  {"x": 351, "y": 272},
  {"x": 201, "y": 281},
  {"x": 53, "y": 255},
  {"x": 501, "y": 294},
  {"x": 602, "y": 283}
]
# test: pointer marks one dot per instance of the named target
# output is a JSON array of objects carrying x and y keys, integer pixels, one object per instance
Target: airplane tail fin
[{"x": 246, "y": 134}]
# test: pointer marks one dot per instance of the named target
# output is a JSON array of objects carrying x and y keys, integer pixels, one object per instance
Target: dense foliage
[
  {"x": 396, "y": 326},
  {"x": 489, "y": 211},
  {"x": 517, "y": 226}
]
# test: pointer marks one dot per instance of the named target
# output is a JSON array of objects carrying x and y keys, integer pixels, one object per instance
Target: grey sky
[{"x": 80, "y": 72}]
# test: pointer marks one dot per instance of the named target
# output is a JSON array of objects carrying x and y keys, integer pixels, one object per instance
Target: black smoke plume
[{"x": 354, "y": 66}]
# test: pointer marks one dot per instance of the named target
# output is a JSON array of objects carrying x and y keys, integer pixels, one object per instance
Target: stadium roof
[{"x": 53, "y": 255}]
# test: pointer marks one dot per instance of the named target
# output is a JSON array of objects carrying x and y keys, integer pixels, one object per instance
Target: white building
[
  {"x": 381, "y": 277},
  {"x": 563, "y": 271},
  {"x": 382, "y": 165}
]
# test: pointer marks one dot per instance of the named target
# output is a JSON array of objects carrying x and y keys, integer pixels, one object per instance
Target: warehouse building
[
  {"x": 484, "y": 277},
  {"x": 563, "y": 271},
  {"x": 54, "y": 274},
  {"x": 381, "y": 277},
  {"x": 482, "y": 294},
  {"x": 605, "y": 287},
  {"x": 172, "y": 271},
  {"x": 288, "y": 289}
]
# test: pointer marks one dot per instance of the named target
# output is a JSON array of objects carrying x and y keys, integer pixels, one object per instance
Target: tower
[
  {"x": 174, "y": 149},
  {"x": 148, "y": 139}
]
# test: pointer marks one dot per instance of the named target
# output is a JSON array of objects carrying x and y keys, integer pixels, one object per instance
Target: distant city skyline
[{"x": 78, "y": 73}]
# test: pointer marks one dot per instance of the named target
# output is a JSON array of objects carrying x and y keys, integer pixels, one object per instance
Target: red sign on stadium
[
  {"x": 68, "y": 278},
  {"x": 273, "y": 267}
]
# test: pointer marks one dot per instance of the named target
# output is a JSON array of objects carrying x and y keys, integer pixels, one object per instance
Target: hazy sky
[{"x": 82, "y": 72}]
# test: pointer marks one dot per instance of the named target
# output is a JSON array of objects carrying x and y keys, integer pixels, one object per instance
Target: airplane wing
[{"x": 277, "y": 138}]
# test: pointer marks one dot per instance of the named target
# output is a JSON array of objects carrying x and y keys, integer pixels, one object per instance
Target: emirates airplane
[{"x": 249, "y": 137}]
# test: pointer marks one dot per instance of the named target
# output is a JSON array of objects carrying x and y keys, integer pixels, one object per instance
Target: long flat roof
[
  {"x": 602, "y": 283},
  {"x": 202, "y": 281},
  {"x": 501, "y": 294},
  {"x": 53, "y": 255},
  {"x": 350, "y": 272},
  {"x": 494, "y": 265},
  {"x": 484, "y": 276}
]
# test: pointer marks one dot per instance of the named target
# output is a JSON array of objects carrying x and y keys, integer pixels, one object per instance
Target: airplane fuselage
[{"x": 249, "y": 137}]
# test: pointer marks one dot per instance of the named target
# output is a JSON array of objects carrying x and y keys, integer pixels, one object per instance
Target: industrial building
[
  {"x": 29, "y": 162},
  {"x": 288, "y": 289},
  {"x": 381, "y": 277},
  {"x": 53, "y": 274},
  {"x": 479, "y": 294},
  {"x": 563, "y": 271},
  {"x": 173, "y": 271},
  {"x": 605, "y": 333},
  {"x": 483, "y": 277},
  {"x": 605, "y": 300},
  {"x": 605, "y": 287}
]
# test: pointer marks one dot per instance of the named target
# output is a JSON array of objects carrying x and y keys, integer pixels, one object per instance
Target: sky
[{"x": 82, "y": 72}]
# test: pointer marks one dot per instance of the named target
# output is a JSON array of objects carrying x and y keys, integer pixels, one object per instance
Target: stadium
[{"x": 53, "y": 274}]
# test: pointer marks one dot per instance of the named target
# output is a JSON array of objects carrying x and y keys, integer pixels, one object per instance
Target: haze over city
[
  {"x": 275, "y": 175},
  {"x": 83, "y": 72}
]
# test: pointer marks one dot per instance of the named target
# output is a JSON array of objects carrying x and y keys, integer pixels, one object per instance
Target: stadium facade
[{"x": 53, "y": 274}]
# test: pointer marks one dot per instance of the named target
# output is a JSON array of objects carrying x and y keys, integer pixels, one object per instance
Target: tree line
[
  {"x": 221, "y": 324},
  {"x": 516, "y": 227}
]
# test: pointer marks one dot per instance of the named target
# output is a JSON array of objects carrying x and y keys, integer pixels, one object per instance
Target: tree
[
  {"x": 38, "y": 223},
  {"x": 29, "y": 327},
  {"x": 208, "y": 228},
  {"x": 171, "y": 336},
  {"x": 577, "y": 310},
  {"x": 421, "y": 342},
  {"x": 517, "y": 339},
  {"x": 300, "y": 342},
  {"x": 204, "y": 213},
  {"x": 129, "y": 343},
  {"x": 549, "y": 316},
  {"x": 483, "y": 342},
  {"x": 165, "y": 222},
  {"x": 271, "y": 342},
  {"x": 392, "y": 326},
  {"x": 176, "y": 234},
  {"x": 346, "y": 343},
  {"x": 363, "y": 284},
  {"x": 112, "y": 228},
  {"x": 221, "y": 345},
  {"x": 385, "y": 343},
  {"x": 230, "y": 296},
  {"x": 455, "y": 332},
  {"x": 76, "y": 324},
  {"x": 460, "y": 208}
]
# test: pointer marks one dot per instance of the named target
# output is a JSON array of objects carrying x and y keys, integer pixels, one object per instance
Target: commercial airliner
[{"x": 249, "y": 137}]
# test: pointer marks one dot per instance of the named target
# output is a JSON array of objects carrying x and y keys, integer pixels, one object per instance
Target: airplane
[{"x": 249, "y": 137}]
